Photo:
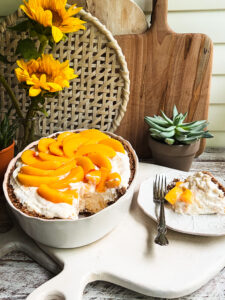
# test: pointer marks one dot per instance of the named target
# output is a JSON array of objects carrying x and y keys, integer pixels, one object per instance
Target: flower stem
[
  {"x": 29, "y": 122},
  {"x": 42, "y": 47},
  {"x": 12, "y": 97}
]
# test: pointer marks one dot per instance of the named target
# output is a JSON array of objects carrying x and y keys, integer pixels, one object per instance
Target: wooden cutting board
[
  {"x": 120, "y": 17},
  {"x": 166, "y": 68}
]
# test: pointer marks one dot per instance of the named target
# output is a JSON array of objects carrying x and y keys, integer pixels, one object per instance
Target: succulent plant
[
  {"x": 175, "y": 131},
  {"x": 7, "y": 131}
]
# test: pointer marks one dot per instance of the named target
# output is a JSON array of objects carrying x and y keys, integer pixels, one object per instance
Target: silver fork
[{"x": 159, "y": 192}]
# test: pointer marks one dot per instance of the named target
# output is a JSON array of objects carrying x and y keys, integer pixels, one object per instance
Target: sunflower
[
  {"x": 52, "y": 13},
  {"x": 44, "y": 74}
]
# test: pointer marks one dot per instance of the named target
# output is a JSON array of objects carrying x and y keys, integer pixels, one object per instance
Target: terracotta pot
[
  {"x": 173, "y": 156},
  {"x": 5, "y": 156}
]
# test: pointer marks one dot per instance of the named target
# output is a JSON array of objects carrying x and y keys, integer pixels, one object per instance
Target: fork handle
[{"x": 162, "y": 230}]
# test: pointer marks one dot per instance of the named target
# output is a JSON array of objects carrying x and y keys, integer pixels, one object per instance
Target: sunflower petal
[
  {"x": 33, "y": 92},
  {"x": 54, "y": 86},
  {"x": 26, "y": 11},
  {"x": 21, "y": 75},
  {"x": 57, "y": 34}
]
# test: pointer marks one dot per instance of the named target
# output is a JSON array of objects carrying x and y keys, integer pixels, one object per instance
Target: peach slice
[
  {"x": 49, "y": 157},
  {"x": 96, "y": 148},
  {"x": 75, "y": 175},
  {"x": 30, "y": 180},
  {"x": 113, "y": 180},
  {"x": 29, "y": 157},
  {"x": 72, "y": 192},
  {"x": 100, "y": 160},
  {"x": 85, "y": 163},
  {"x": 115, "y": 144},
  {"x": 173, "y": 195},
  {"x": 56, "y": 148},
  {"x": 94, "y": 177},
  {"x": 34, "y": 171},
  {"x": 186, "y": 196},
  {"x": 101, "y": 186},
  {"x": 63, "y": 135},
  {"x": 58, "y": 172},
  {"x": 94, "y": 134},
  {"x": 44, "y": 143},
  {"x": 71, "y": 145},
  {"x": 71, "y": 136},
  {"x": 55, "y": 196},
  {"x": 47, "y": 165}
]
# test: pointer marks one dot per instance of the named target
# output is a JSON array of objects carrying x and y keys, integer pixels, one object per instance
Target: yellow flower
[
  {"x": 44, "y": 74},
  {"x": 52, "y": 13}
]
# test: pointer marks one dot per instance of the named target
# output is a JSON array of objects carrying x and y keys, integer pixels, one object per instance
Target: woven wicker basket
[{"x": 96, "y": 99}]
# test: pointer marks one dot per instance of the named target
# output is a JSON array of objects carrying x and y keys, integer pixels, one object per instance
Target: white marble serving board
[{"x": 128, "y": 257}]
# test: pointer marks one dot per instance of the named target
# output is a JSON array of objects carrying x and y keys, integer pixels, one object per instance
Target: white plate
[{"x": 205, "y": 225}]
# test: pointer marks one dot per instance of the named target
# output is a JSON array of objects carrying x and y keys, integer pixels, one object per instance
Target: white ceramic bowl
[{"x": 63, "y": 233}]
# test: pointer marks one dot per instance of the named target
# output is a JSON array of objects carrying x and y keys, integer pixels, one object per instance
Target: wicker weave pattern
[{"x": 97, "y": 98}]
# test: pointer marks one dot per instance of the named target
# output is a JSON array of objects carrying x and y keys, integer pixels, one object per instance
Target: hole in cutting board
[{"x": 20, "y": 275}]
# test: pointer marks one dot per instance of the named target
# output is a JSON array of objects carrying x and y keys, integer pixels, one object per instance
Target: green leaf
[
  {"x": 207, "y": 135},
  {"x": 196, "y": 134},
  {"x": 156, "y": 137},
  {"x": 200, "y": 127},
  {"x": 177, "y": 119},
  {"x": 153, "y": 130},
  {"x": 158, "y": 127},
  {"x": 166, "y": 118},
  {"x": 21, "y": 27},
  {"x": 26, "y": 48},
  {"x": 175, "y": 112},
  {"x": 183, "y": 118},
  {"x": 181, "y": 130},
  {"x": 158, "y": 120},
  {"x": 169, "y": 141},
  {"x": 193, "y": 124},
  {"x": 167, "y": 134}
]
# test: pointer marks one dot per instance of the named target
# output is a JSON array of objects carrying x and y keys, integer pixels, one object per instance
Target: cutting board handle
[{"x": 159, "y": 15}]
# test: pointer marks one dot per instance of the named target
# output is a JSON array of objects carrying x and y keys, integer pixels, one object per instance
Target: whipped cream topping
[
  {"x": 207, "y": 197},
  {"x": 87, "y": 195}
]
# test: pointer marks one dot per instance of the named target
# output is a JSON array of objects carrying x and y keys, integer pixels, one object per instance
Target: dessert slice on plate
[
  {"x": 196, "y": 202},
  {"x": 199, "y": 194}
]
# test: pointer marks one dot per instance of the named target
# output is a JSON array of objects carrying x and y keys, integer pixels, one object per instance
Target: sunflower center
[
  {"x": 49, "y": 77},
  {"x": 56, "y": 18}
]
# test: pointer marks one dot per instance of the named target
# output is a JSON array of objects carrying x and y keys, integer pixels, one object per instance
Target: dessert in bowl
[{"x": 71, "y": 188}]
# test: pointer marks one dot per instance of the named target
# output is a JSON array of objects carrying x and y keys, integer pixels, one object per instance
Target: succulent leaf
[
  {"x": 169, "y": 141},
  {"x": 175, "y": 112},
  {"x": 175, "y": 131},
  {"x": 166, "y": 118},
  {"x": 157, "y": 120},
  {"x": 7, "y": 131},
  {"x": 156, "y": 137},
  {"x": 183, "y": 118},
  {"x": 181, "y": 130},
  {"x": 167, "y": 134}
]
